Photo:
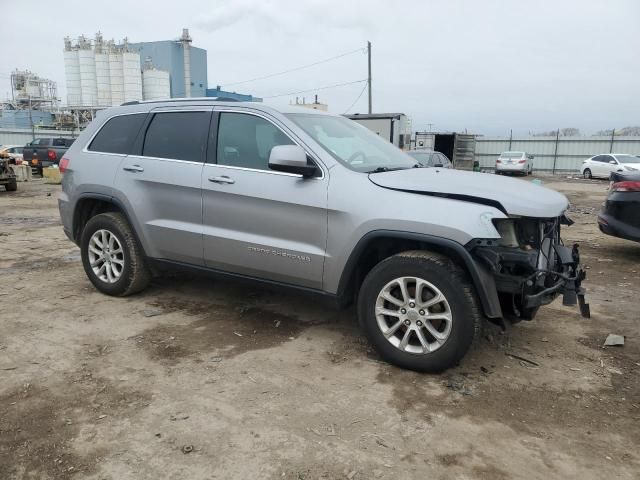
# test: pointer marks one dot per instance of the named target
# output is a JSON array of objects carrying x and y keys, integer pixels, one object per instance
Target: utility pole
[
  {"x": 369, "y": 75},
  {"x": 33, "y": 133}
]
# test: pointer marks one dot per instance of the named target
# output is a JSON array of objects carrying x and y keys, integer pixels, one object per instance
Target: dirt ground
[{"x": 199, "y": 378}]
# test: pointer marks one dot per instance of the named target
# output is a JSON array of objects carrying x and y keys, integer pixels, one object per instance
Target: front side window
[
  {"x": 118, "y": 134},
  {"x": 177, "y": 135},
  {"x": 246, "y": 140}
]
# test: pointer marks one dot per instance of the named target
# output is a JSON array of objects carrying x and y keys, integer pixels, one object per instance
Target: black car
[{"x": 620, "y": 216}]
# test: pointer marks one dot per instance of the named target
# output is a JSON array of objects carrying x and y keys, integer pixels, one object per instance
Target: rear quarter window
[{"x": 118, "y": 134}]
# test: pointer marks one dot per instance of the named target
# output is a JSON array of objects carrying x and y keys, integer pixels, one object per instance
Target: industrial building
[
  {"x": 104, "y": 74},
  {"x": 395, "y": 127},
  {"x": 185, "y": 64}
]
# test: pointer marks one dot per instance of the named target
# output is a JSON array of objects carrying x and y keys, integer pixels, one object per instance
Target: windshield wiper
[{"x": 391, "y": 169}]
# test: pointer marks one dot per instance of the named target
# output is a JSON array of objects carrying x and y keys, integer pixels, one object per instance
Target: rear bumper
[
  {"x": 617, "y": 228},
  {"x": 511, "y": 168}
]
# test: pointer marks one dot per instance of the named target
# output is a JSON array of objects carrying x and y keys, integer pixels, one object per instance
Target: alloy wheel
[
  {"x": 106, "y": 256},
  {"x": 413, "y": 315}
]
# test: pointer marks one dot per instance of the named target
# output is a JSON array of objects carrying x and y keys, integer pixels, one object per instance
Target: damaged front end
[{"x": 531, "y": 266}]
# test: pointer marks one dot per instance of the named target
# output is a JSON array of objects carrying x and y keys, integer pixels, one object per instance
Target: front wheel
[
  {"x": 587, "y": 173},
  {"x": 12, "y": 186},
  {"x": 419, "y": 311},
  {"x": 111, "y": 256}
]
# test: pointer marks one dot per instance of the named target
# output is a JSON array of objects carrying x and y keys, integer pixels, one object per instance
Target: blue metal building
[
  {"x": 169, "y": 55},
  {"x": 241, "y": 97},
  {"x": 22, "y": 118}
]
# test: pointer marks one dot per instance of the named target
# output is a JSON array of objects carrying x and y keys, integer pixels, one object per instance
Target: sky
[{"x": 485, "y": 66}]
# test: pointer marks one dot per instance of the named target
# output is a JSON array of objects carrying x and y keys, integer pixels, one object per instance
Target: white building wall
[
  {"x": 72, "y": 74},
  {"x": 103, "y": 79},
  {"x": 155, "y": 84},
  {"x": 116, "y": 79},
  {"x": 88, "y": 84},
  {"x": 131, "y": 76}
]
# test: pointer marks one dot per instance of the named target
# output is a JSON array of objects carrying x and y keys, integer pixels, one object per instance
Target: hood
[{"x": 512, "y": 196}]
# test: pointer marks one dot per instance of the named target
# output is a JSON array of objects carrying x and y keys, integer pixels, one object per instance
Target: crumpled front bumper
[
  {"x": 524, "y": 284},
  {"x": 567, "y": 281}
]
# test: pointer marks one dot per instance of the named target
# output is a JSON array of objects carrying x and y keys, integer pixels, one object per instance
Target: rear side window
[
  {"x": 177, "y": 135},
  {"x": 118, "y": 134}
]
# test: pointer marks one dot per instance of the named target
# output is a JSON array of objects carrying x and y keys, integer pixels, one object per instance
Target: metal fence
[
  {"x": 22, "y": 136},
  {"x": 554, "y": 154}
]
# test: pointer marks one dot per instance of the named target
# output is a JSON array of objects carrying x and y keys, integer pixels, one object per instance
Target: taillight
[
  {"x": 522, "y": 161},
  {"x": 64, "y": 163},
  {"x": 626, "y": 186},
  {"x": 498, "y": 161},
  {"x": 51, "y": 155}
]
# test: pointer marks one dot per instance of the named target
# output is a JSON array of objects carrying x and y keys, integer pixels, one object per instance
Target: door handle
[
  {"x": 222, "y": 179},
  {"x": 133, "y": 168}
]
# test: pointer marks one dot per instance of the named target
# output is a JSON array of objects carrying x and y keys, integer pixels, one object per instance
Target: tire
[
  {"x": 133, "y": 274},
  {"x": 587, "y": 173},
  {"x": 12, "y": 186},
  {"x": 460, "y": 305}
]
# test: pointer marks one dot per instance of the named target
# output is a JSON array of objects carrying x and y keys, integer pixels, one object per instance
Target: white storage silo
[
  {"x": 72, "y": 74},
  {"x": 116, "y": 78},
  {"x": 131, "y": 76},
  {"x": 155, "y": 84},
  {"x": 103, "y": 79},
  {"x": 88, "y": 84}
]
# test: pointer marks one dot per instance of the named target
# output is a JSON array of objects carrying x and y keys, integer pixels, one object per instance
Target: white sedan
[
  {"x": 514, "y": 162},
  {"x": 602, "y": 165}
]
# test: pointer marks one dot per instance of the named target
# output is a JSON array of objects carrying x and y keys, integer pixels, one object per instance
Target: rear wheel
[
  {"x": 419, "y": 311},
  {"x": 587, "y": 173},
  {"x": 12, "y": 186},
  {"x": 111, "y": 256}
]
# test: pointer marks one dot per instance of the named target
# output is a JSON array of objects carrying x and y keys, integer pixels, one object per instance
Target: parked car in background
[
  {"x": 620, "y": 216},
  {"x": 514, "y": 162},
  {"x": 430, "y": 159},
  {"x": 601, "y": 166},
  {"x": 44, "y": 152},
  {"x": 316, "y": 202},
  {"x": 12, "y": 152}
]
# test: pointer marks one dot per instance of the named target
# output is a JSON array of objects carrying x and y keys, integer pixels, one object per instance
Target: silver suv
[{"x": 316, "y": 202}]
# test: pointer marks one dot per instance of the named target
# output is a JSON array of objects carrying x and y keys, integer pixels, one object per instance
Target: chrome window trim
[
  {"x": 142, "y": 157},
  {"x": 284, "y": 130}
]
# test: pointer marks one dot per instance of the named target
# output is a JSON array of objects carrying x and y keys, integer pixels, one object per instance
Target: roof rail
[{"x": 189, "y": 99}]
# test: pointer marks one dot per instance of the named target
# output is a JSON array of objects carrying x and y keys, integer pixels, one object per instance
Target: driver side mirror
[
  {"x": 613, "y": 162},
  {"x": 291, "y": 159}
]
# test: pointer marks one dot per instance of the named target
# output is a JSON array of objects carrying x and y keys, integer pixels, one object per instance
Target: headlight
[{"x": 630, "y": 169}]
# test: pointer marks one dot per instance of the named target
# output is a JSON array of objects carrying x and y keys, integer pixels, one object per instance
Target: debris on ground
[
  {"x": 523, "y": 359},
  {"x": 187, "y": 449},
  {"x": 152, "y": 313},
  {"x": 614, "y": 340}
]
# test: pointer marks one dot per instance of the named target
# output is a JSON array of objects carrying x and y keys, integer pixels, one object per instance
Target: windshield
[
  {"x": 512, "y": 155},
  {"x": 353, "y": 145},
  {"x": 627, "y": 159}
]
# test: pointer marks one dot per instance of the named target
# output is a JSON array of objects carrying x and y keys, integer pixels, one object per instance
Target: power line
[
  {"x": 356, "y": 100},
  {"x": 316, "y": 89},
  {"x": 294, "y": 69}
]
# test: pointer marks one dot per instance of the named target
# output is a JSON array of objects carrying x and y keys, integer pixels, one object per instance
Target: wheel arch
[
  {"x": 377, "y": 245},
  {"x": 91, "y": 204}
]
